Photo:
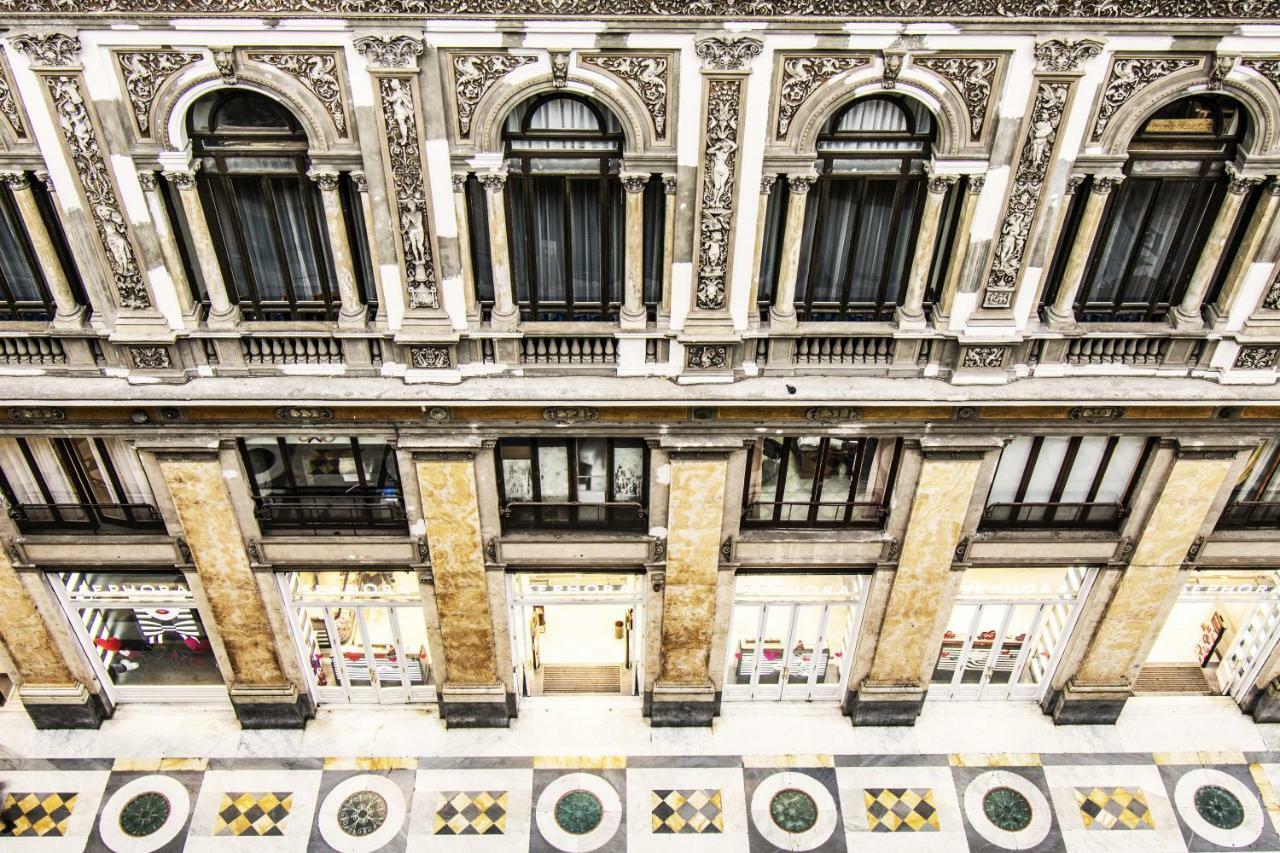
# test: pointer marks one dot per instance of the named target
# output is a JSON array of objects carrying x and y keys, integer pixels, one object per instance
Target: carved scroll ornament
[
  {"x": 1127, "y": 78},
  {"x": 9, "y": 104},
  {"x": 719, "y": 173},
  {"x": 474, "y": 74},
  {"x": 1064, "y": 55},
  {"x": 318, "y": 72},
  {"x": 972, "y": 77},
  {"x": 727, "y": 54},
  {"x": 48, "y": 50},
  {"x": 802, "y": 76},
  {"x": 646, "y": 75},
  {"x": 1024, "y": 196},
  {"x": 389, "y": 52},
  {"x": 144, "y": 72},
  {"x": 400, "y": 115}
]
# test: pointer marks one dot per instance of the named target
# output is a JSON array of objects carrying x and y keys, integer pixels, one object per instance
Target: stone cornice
[{"x": 1106, "y": 11}]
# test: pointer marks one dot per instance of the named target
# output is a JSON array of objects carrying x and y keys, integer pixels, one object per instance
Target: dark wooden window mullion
[
  {"x": 224, "y": 187},
  {"x": 780, "y": 489},
  {"x": 1028, "y": 469},
  {"x": 892, "y": 477},
  {"x": 855, "y": 472},
  {"x": 606, "y": 245},
  {"x": 815, "y": 489},
  {"x": 891, "y": 239},
  {"x": 286, "y": 456},
  {"x": 1129, "y": 488},
  {"x": 282, "y": 256},
  {"x": 821, "y": 212},
  {"x": 1064, "y": 469},
  {"x": 359, "y": 460},
  {"x": 248, "y": 464},
  {"x": 1124, "y": 292},
  {"x": 566, "y": 243},
  {"x": 531, "y": 246},
  {"x": 1103, "y": 464},
  {"x": 535, "y": 468},
  {"x": 72, "y": 470},
  {"x": 846, "y": 286}
]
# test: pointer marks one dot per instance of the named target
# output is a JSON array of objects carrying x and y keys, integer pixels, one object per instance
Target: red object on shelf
[{"x": 111, "y": 644}]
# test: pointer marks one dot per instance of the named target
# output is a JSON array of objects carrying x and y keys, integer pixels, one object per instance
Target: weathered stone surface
[{"x": 32, "y": 647}]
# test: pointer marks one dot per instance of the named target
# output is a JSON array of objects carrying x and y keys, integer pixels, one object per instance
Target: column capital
[
  {"x": 493, "y": 181},
  {"x": 801, "y": 184},
  {"x": 976, "y": 183},
  {"x": 1104, "y": 184},
  {"x": 15, "y": 180},
  {"x": 325, "y": 179},
  {"x": 459, "y": 181},
  {"x": 940, "y": 184},
  {"x": 1239, "y": 184},
  {"x": 669, "y": 184},
  {"x": 147, "y": 180},
  {"x": 183, "y": 180},
  {"x": 1074, "y": 183},
  {"x": 359, "y": 182},
  {"x": 634, "y": 182},
  {"x": 727, "y": 54},
  {"x": 766, "y": 183}
]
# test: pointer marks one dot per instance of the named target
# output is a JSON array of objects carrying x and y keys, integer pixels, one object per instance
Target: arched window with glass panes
[
  {"x": 265, "y": 214},
  {"x": 1156, "y": 224},
  {"x": 862, "y": 215}
]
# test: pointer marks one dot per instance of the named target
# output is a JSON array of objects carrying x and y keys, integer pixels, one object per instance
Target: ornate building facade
[{"x": 850, "y": 352}]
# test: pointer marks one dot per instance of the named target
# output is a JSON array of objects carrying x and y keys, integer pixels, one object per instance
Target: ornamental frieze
[
  {"x": 474, "y": 74},
  {"x": 804, "y": 75},
  {"x": 1127, "y": 78},
  {"x": 1269, "y": 68},
  {"x": 727, "y": 54},
  {"x": 1064, "y": 55},
  {"x": 48, "y": 50},
  {"x": 144, "y": 73},
  {"x": 972, "y": 77},
  {"x": 320, "y": 72},
  {"x": 647, "y": 75},
  {"x": 1024, "y": 195},
  {"x": 1087, "y": 10}
]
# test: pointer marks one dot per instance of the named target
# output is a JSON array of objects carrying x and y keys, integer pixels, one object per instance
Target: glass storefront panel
[{"x": 141, "y": 630}]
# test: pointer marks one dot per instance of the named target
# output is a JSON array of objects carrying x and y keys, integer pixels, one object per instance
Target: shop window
[
  {"x": 76, "y": 485},
  {"x": 574, "y": 483},
  {"x": 1255, "y": 501},
  {"x": 142, "y": 631},
  {"x": 863, "y": 214},
  {"x": 1083, "y": 482},
  {"x": 812, "y": 481},
  {"x": 328, "y": 486},
  {"x": 265, "y": 214},
  {"x": 1156, "y": 224}
]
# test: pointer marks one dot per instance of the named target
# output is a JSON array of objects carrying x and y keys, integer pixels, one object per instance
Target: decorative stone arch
[
  {"x": 1248, "y": 88},
  {"x": 176, "y": 98},
  {"x": 493, "y": 109},
  {"x": 919, "y": 84}
]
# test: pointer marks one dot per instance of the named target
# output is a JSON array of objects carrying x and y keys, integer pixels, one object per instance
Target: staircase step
[
  {"x": 1185, "y": 679},
  {"x": 584, "y": 678}
]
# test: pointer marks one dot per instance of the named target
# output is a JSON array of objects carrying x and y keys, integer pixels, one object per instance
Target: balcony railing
[
  {"x": 1240, "y": 515},
  {"x": 1137, "y": 352},
  {"x": 627, "y": 516},
  {"x": 321, "y": 515},
  {"x": 868, "y": 514},
  {"x": 569, "y": 349},
  {"x": 87, "y": 518},
  {"x": 33, "y": 350},
  {"x": 1054, "y": 515},
  {"x": 842, "y": 350},
  {"x": 286, "y": 350}
]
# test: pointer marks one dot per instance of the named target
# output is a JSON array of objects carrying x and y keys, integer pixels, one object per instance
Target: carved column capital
[
  {"x": 390, "y": 52},
  {"x": 941, "y": 183},
  {"x": 1062, "y": 55},
  {"x": 800, "y": 184},
  {"x": 634, "y": 182},
  {"x": 1074, "y": 183},
  {"x": 493, "y": 182},
  {"x": 459, "y": 181},
  {"x": 359, "y": 182},
  {"x": 1238, "y": 184},
  {"x": 727, "y": 54},
  {"x": 669, "y": 184},
  {"x": 1104, "y": 184},
  {"x": 183, "y": 180},
  {"x": 766, "y": 183},
  {"x": 15, "y": 180},
  {"x": 49, "y": 50},
  {"x": 147, "y": 180},
  {"x": 976, "y": 183},
  {"x": 326, "y": 180}
]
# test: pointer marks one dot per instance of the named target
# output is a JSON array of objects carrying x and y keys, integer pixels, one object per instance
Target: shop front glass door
[
  {"x": 789, "y": 651},
  {"x": 984, "y": 648}
]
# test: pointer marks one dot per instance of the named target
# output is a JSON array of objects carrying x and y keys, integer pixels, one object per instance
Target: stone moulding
[
  {"x": 144, "y": 73},
  {"x": 474, "y": 74},
  {"x": 1127, "y": 77},
  {"x": 1075, "y": 10},
  {"x": 801, "y": 76}
]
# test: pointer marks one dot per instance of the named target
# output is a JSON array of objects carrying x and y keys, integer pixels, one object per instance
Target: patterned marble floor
[{"x": 881, "y": 803}]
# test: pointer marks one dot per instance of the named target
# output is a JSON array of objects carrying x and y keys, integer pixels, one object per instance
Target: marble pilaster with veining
[{"x": 32, "y": 647}]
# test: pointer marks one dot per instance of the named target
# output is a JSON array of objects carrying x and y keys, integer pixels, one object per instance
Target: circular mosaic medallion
[
  {"x": 144, "y": 814},
  {"x": 362, "y": 813},
  {"x": 1219, "y": 807},
  {"x": 793, "y": 810},
  {"x": 578, "y": 812},
  {"x": 1007, "y": 809}
]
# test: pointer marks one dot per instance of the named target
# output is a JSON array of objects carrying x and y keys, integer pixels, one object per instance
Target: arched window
[
  {"x": 265, "y": 214},
  {"x": 565, "y": 208},
  {"x": 863, "y": 213},
  {"x": 1155, "y": 225}
]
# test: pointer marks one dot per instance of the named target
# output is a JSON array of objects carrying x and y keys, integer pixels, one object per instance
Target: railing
[
  {"x": 1051, "y": 515},
  {"x": 1240, "y": 515},
  {"x": 32, "y": 351},
  {"x": 563, "y": 515},
  {"x": 331, "y": 514},
  {"x": 1137, "y": 352},
  {"x": 870, "y": 514},
  {"x": 568, "y": 349},
  {"x": 851, "y": 351},
  {"x": 87, "y": 518},
  {"x": 275, "y": 351}
]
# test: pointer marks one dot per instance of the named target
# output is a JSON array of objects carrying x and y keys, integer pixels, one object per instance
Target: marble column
[
  {"x": 465, "y": 261},
  {"x": 783, "y": 313},
  {"x": 51, "y": 694},
  {"x": 168, "y": 239},
  {"x": 360, "y": 183},
  {"x": 353, "y": 313},
  {"x": 505, "y": 314},
  {"x": 261, "y": 693},
  {"x": 68, "y": 313},
  {"x": 1062, "y": 313},
  {"x": 762, "y": 214},
  {"x": 911, "y": 311},
  {"x": 683, "y": 694},
  {"x": 893, "y": 692},
  {"x": 1259, "y": 231},
  {"x": 471, "y": 693},
  {"x": 668, "y": 241},
  {"x": 634, "y": 317},
  {"x": 1186, "y": 316},
  {"x": 1098, "y": 690},
  {"x": 222, "y": 312},
  {"x": 960, "y": 254}
]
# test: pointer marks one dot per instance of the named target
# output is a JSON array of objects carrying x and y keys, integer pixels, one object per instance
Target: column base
[
  {"x": 64, "y": 707},
  {"x": 70, "y": 322},
  {"x": 1184, "y": 322},
  {"x": 1060, "y": 322},
  {"x": 636, "y": 322},
  {"x": 682, "y": 705},
  {"x": 476, "y": 707},
  {"x": 1081, "y": 705},
  {"x": 884, "y": 704},
  {"x": 357, "y": 319},
  {"x": 224, "y": 320},
  {"x": 780, "y": 321},
  {"x": 271, "y": 707},
  {"x": 1266, "y": 705},
  {"x": 504, "y": 322},
  {"x": 910, "y": 321}
]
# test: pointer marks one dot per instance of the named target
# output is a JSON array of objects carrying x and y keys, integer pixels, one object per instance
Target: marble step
[
  {"x": 1187, "y": 679},
  {"x": 580, "y": 679}
]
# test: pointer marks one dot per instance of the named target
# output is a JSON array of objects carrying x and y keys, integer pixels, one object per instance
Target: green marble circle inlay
[
  {"x": 1219, "y": 807},
  {"x": 793, "y": 810},
  {"x": 362, "y": 813},
  {"x": 578, "y": 812},
  {"x": 144, "y": 814},
  {"x": 1006, "y": 808}
]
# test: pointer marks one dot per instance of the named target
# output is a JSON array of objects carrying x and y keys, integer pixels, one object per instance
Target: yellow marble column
[
  {"x": 261, "y": 693},
  {"x": 471, "y": 693},
  {"x": 684, "y": 695},
  {"x": 1139, "y": 605},
  {"x": 893, "y": 691},
  {"x": 53, "y": 697}
]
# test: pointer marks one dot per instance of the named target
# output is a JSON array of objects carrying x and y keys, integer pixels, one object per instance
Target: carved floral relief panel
[
  {"x": 1128, "y": 76},
  {"x": 800, "y": 75},
  {"x": 403, "y": 132},
  {"x": 649, "y": 75},
  {"x": 719, "y": 177},
  {"x": 10, "y": 108},
  {"x": 144, "y": 73},
  {"x": 974, "y": 78},
  {"x": 473, "y": 75},
  {"x": 321, "y": 72}
]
